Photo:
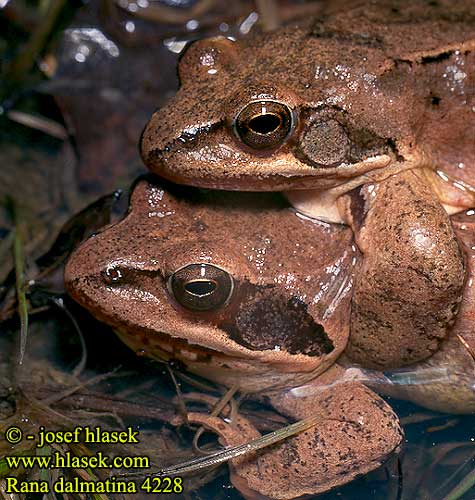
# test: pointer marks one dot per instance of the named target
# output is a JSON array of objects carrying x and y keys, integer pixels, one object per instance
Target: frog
[
  {"x": 445, "y": 382},
  {"x": 329, "y": 111},
  {"x": 204, "y": 278}
]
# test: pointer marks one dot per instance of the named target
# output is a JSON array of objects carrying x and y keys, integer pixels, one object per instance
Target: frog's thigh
[
  {"x": 410, "y": 282},
  {"x": 358, "y": 432}
]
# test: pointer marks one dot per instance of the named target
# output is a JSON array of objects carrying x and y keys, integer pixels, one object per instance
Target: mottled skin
[
  {"x": 300, "y": 287},
  {"x": 373, "y": 91},
  {"x": 282, "y": 285},
  {"x": 408, "y": 288},
  {"x": 376, "y": 69},
  {"x": 168, "y": 227},
  {"x": 356, "y": 433},
  {"x": 454, "y": 363},
  {"x": 378, "y": 90}
]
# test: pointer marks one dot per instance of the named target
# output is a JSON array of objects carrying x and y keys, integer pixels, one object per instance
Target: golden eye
[
  {"x": 201, "y": 287},
  {"x": 264, "y": 124}
]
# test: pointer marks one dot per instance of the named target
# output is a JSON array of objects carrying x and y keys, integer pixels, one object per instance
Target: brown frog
[
  {"x": 207, "y": 278},
  {"x": 378, "y": 97}
]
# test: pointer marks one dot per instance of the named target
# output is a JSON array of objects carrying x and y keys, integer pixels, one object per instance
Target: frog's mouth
[{"x": 260, "y": 322}]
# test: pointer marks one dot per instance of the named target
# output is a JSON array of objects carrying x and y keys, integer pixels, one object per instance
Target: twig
[
  {"x": 41, "y": 123},
  {"x": 181, "y": 402},
  {"x": 243, "y": 449},
  {"x": 170, "y": 15},
  {"x": 218, "y": 408},
  {"x": 79, "y": 368},
  {"x": 20, "y": 279},
  {"x": 269, "y": 13}
]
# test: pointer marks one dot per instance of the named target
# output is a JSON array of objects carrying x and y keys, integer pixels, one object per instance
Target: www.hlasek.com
[{"x": 68, "y": 460}]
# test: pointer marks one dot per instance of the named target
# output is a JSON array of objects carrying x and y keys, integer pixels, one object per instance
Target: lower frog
[
  {"x": 206, "y": 278},
  {"x": 378, "y": 96}
]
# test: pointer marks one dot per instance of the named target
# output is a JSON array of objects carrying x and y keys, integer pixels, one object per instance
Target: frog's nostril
[
  {"x": 265, "y": 124},
  {"x": 112, "y": 275},
  {"x": 201, "y": 288}
]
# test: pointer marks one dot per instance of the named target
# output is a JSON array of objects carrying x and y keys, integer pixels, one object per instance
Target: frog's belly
[{"x": 247, "y": 375}]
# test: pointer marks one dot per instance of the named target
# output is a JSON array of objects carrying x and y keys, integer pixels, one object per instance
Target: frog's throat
[
  {"x": 323, "y": 204},
  {"x": 248, "y": 375}
]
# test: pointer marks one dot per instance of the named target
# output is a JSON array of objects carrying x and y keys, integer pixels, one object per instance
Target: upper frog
[
  {"x": 334, "y": 102},
  {"x": 378, "y": 98}
]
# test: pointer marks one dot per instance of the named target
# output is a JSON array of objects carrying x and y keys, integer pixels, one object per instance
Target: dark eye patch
[
  {"x": 327, "y": 142},
  {"x": 266, "y": 319}
]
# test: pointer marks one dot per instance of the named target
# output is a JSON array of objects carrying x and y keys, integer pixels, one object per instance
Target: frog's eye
[
  {"x": 201, "y": 287},
  {"x": 113, "y": 275},
  {"x": 264, "y": 124}
]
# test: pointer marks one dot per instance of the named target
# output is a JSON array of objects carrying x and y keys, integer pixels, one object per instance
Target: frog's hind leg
[
  {"x": 355, "y": 432},
  {"x": 410, "y": 282}
]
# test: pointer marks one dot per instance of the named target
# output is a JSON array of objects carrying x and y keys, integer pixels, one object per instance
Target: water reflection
[{"x": 87, "y": 41}]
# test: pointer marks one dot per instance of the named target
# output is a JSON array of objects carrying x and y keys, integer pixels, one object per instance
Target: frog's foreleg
[{"x": 410, "y": 281}]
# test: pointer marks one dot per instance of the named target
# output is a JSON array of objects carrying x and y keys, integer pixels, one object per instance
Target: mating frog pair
[
  {"x": 365, "y": 117},
  {"x": 207, "y": 278}
]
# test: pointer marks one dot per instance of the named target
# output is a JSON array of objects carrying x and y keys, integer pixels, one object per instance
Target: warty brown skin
[
  {"x": 410, "y": 282},
  {"x": 160, "y": 235},
  {"x": 451, "y": 370},
  {"x": 299, "y": 282},
  {"x": 398, "y": 78},
  {"x": 376, "y": 90},
  {"x": 357, "y": 432},
  {"x": 290, "y": 294}
]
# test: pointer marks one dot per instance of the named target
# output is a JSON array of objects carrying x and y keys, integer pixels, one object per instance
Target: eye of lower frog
[
  {"x": 264, "y": 124},
  {"x": 201, "y": 287},
  {"x": 113, "y": 275}
]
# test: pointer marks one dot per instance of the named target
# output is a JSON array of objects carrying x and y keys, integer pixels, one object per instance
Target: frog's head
[
  {"x": 290, "y": 110},
  {"x": 206, "y": 278}
]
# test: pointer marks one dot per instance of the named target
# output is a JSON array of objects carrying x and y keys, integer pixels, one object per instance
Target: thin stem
[
  {"x": 25, "y": 60},
  {"x": 20, "y": 281}
]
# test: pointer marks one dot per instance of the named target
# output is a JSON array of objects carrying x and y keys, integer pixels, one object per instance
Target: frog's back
[{"x": 423, "y": 50}]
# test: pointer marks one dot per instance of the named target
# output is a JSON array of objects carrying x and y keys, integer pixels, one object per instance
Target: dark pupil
[
  {"x": 201, "y": 287},
  {"x": 114, "y": 274},
  {"x": 265, "y": 123}
]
